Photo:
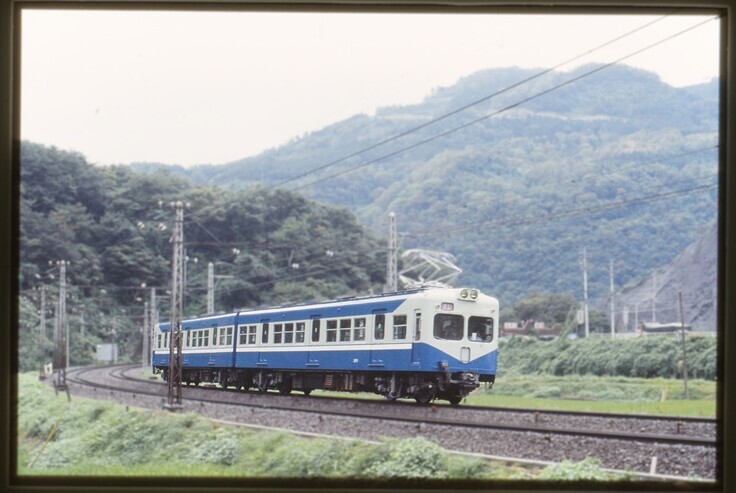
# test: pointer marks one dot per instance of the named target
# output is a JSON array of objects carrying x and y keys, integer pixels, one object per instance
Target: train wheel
[
  {"x": 424, "y": 396},
  {"x": 307, "y": 392},
  {"x": 285, "y": 389},
  {"x": 455, "y": 399}
]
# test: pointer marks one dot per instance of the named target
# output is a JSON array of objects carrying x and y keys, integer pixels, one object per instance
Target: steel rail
[{"x": 274, "y": 404}]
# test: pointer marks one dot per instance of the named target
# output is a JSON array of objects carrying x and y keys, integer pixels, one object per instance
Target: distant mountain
[
  {"x": 694, "y": 273},
  {"x": 617, "y": 162}
]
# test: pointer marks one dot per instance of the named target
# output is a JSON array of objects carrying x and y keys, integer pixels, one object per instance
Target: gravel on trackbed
[{"x": 241, "y": 407}]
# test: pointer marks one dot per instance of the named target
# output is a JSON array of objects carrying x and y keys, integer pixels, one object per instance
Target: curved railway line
[{"x": 682, "y": 447}]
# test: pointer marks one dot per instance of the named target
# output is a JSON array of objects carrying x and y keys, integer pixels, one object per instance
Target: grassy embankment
[{"x": 96, "y": 438}]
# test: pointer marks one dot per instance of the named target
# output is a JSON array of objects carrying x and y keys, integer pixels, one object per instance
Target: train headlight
[{"x": 469, "y": 294}]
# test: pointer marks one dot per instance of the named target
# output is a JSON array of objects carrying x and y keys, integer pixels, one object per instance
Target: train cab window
[
  {"x": 359, "y": 329},
  {"x": 379, "y": 328},
  {"x": 345, "y": 324},
  {"x": 299, "y": 334},
  {"x": 399, "y": 327},
  {"x": 480, "y": 329},
  {"x": 251, "y": 334},
  {"x": 449, "y": 327},
  {"x": 229, "y": 336},
  {"x": 278, "y": 331},
  {"x": 315, "y": 330},
  {"x": 288, "y": 333},
  {"x": 331, "y": 330},
  {"x": 264, "y": 335}
]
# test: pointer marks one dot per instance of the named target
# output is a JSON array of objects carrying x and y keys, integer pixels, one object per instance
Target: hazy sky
[{"x": 193, "y": 88}]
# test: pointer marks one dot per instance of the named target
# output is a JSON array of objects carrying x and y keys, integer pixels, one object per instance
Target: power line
[
  {"x": 504, "y": 109},
  {"x": 471, "y": 104}
]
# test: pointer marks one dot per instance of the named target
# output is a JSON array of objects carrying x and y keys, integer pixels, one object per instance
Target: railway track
[{"x": 545, "y": 433}]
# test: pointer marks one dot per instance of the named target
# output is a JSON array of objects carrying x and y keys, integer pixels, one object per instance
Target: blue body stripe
[{"x": 422, "y": 358}]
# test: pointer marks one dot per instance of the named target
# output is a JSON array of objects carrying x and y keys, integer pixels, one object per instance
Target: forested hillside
[
  {"x": 107, "y": 222},
  {"x": 618, "y": 162}
]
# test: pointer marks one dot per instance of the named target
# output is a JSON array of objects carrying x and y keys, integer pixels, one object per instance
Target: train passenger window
[
  {"x": 299, "y": 335},
  {"x": 399, "y": 326},
  {"x": 243, "y": 335},
  {"x": 189, "y": 333},
  {"x": 449, "y": 327},
  {"x": 278, "y": 330},
  {"x": 417, "y": 325},
  {"x": 229, "y": 336},
  {"x": 251, "y": 334},
  {"x": 207, "y": 338},
  {"x": 264, "y": 336},
  {"x": 222, "y": 336},
  {"x": 480, "y": 329},
  {"x": 359, "y": 329},
  {"x": 158, "y": 341},
  {"x": 378, "y": 330},
  {"x": 288, "y": 333},
  {"x": 345, "y": 324},
  {"x": 331, "y": 330},
  {"x": 315, "y": 330}
]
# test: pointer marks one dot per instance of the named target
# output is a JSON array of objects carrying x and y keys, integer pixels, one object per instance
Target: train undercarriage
[{"x": 423, "y": 387}]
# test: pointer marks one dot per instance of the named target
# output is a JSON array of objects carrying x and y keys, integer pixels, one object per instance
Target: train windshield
[
  {"x": 448, "y": 327},
  {"x": 480, "y": 329}
]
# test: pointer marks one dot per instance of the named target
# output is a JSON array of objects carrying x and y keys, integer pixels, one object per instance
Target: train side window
[
  {"x": 331, "y": 330},
  {"x": 158, "y": 341},
  {"x": 189, "y": 333},
  {"x": 359, "y": 329},
  {"x": 345, "y": 325},
  {"x": 299, "y": 335},
  {"x": 252, "y": 334},
  {"x": 399, "y": 327},
  {"x": 229, "y": 336},
  {"x": 315, "y": 330},
  {"x": 207, "y": 337},
  {"x": 222, "y": 336},
  {"x": 264, "y": 335},
  {"x": 417, "y": 325},
  {"x": 278, "y": 330},
  {"x": 288, "y": 333},
  {"x": 242, "y": 335},
  {"x": 379, "y": 328}
]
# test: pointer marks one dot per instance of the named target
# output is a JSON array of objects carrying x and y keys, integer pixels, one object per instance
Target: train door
[
  {"x": 377, "y": 337},
  {"x": 417, "y": 337},
  {"x": 315, "y": 332},
  {"x": 263, "y": 343}
]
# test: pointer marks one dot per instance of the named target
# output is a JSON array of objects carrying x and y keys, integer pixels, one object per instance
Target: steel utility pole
[
  {"x": 392, "y": 273},
  {"x": 144, "y": 336},
  {"x": 585, "y": 292},
  {"x": 212, "y": 280},
  {"x": 654, "y": 297},
  {"x": 177, "y": 303},
  {"x": 61, "y": 339},
  {"x": 42, "y": 334},
  {"x": 684, "y": 349},
  {"x": 613, "y": 317}
]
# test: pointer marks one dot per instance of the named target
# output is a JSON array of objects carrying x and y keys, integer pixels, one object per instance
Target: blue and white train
[{"x": 426, "y": 344}]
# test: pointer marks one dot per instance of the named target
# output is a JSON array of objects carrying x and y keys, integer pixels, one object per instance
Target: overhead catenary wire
[
  {"x": 473, "y": 103},
  {"x": 504, "y": 109}
]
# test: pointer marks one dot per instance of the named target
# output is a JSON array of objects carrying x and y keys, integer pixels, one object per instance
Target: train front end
[{"x": 459, "y": 340}]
